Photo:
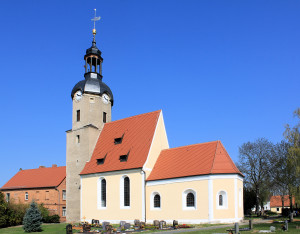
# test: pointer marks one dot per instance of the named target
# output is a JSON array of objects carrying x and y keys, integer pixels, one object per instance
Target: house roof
[
  {"x": 136, "y": 132},
  {"x": 276, "y": 201},
  {"x": 36, "y": 178},
  {"x": 199, "y": 159}
]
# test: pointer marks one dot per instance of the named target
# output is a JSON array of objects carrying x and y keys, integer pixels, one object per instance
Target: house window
[
  {"x": 104, "y": 117},
  {"x": 222, "y": 200},
  {"x": 47, "y": 195},
  {"x": 78, "y": 115},
  {"x": 64, "y": 195},
  {"x": 103, "y": 193},
  {"x": 277, "y": 209},
  {"x": 26, "y": 196},
  {"x": 189, "y": 200},
  {"x": 64, "y": 211},
  {"x": 7, "y": 197},
  {"x": 156, "y": 201}
]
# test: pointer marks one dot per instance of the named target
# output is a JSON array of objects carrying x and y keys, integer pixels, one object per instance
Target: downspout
[{"x": 58, "y": 201}]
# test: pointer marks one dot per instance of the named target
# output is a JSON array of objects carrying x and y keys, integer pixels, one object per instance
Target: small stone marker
[
  {"x": 291, "y": 217},
  {"x": 286, "y": 225},
  {"x": 156, "y": 223},
  {"x": 236, "y": 228},
  {"x": 137, "y": 223},
  {"x": 69, "y": 229},
  {"x": 127, "y": 225},
  {"x": 104, "y": 224},
  {"x": 250, "y": 224},
  {"x": 272, "y": 229},
  {"x": 122, "y": 223},
  {"x": 175, "y": 223}
]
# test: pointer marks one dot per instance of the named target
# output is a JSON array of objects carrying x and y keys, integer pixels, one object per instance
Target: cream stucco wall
[
  {"x": 206, "y": 188},
  {"x": 159, "y": 143},
  {"x": 113, "y": 211}
]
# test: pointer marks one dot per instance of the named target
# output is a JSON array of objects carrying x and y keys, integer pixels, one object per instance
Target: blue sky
[{"x": 219, "y": 70}]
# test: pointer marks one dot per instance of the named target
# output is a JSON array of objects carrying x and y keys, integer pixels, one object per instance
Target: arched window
[
  {"x": 190, "y": 200},
  {"x": 126, "y": 191},
  {"x": 103, "y": 193},
  {"x": 222, "y": 200},
  {"x": 156, "y": 201}
]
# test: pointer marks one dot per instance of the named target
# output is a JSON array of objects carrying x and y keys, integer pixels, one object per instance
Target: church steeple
[{"x": 93, "y": 59}]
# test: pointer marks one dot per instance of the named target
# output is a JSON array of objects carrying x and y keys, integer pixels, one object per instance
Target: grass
[
  {"x": 61, "y": 228},
  {"x": 47, "y": 228},
  {"x": 257, "y": 227}
]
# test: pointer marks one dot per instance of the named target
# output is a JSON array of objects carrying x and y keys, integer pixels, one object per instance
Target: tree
[
  {"x": 254, "y": 163},
  {"x": 249, "y": 200},
  {"x": 292, "y": 135},
  {"x": 32, "y": 220},
  {"x": 3, "y": 211}
]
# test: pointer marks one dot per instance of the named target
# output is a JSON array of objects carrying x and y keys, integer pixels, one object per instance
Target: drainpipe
[{"x": 58, "y": 205}]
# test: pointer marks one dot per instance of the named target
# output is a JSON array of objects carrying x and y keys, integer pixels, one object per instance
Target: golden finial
[{"x": 95, "y": 19}]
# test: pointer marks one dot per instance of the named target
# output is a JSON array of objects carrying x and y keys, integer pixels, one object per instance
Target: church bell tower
[{"x": 92, "y": 102}]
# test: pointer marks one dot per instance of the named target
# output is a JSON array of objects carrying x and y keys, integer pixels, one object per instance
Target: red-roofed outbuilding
[{"x": 45, "y": 185}]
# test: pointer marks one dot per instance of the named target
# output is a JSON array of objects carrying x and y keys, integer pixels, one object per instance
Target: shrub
[
  {"x": 268, "y": 212},
  {"x": 32, "y": 220},
  {"x": 3, "y": 211},
  {"x": 52, "y": 219}
]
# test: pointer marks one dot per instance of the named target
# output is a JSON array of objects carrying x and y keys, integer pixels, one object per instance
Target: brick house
[{"x": 45, "y": 185}]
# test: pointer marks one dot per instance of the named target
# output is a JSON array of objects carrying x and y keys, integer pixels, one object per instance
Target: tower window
[
  {"x": 78, "y": 139},
  {"x": 104, "y": 117},
  {"x": 78, "y": 115}
]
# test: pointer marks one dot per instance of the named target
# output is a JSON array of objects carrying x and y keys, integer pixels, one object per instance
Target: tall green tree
[
  {"x": 33, "y": 219},
  {"x": 292, "y": 135},
  {"x": 254, "y": 163}
]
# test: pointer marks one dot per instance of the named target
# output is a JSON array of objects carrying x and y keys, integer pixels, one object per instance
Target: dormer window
[
  {"x": 100, "y": 160},
  {"x": 118, "y": 140},
  {"x": 123, "y": 158}
]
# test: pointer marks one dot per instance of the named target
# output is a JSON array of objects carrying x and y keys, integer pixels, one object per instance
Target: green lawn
[
  {"x": 257, "y": 227},
  {"x": 61, "y": 228},
  {"x": 47, "y": 228}
]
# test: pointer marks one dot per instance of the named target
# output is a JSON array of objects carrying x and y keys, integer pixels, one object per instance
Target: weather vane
[{"x": 95, "y": 19}]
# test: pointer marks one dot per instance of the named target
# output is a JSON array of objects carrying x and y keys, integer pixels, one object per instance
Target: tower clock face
[
  {"x": 78, "y": 95},
  {"x": 105, "y": 98}
]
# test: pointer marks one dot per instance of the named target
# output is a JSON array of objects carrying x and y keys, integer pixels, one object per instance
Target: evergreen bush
[
  {"x": 3, "y": 211},
  {"x": 33, "y": 219}
]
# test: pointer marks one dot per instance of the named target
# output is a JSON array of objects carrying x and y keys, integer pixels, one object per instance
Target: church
[{"x": 125, "y": 170}]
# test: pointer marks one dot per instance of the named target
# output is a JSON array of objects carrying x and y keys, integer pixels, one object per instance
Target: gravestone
[
  {"x": 175, "y": 223},
  {"x": 69, "y": 229},
  {"x": 272, "y": 229},
  {"x": 156, "y": 223},
  {"x": 122, "y": 224},
  {"x": 104, "y": 224},
  {"x": 250, "y": 224},
  {"x": 127, "y": 226},
  {"x": 286, "y": 225},
  {"x": 143, "y": 224},
  {"x": 236, "y": 228},
  {"x": 109, "y": 229},
  {"x": 137, "y": 223},
  {"x": 291, "y": 217}
]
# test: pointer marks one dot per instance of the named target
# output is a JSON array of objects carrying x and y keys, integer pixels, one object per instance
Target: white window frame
[
  {"x": 122, "y": 192},
  {"x": 26, "y": 196},
  {"x": 184, "y": 195},
  {"x": 64, "y": 212},
  {"x": 225, "y": 200},
  {"x": 152, "y": 201},
  {"x": 64, "y": 195},
  {"x": 99, "y": 194},
  {"x": 7, "y": 197}
]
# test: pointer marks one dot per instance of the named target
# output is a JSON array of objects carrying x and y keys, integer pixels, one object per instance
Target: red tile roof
[
  {"x": 200, "y": 159},
  {"x": 276, "y": 201},
  {"x": 137, "y": 132},
  {"x": 37, "y": 178}
]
